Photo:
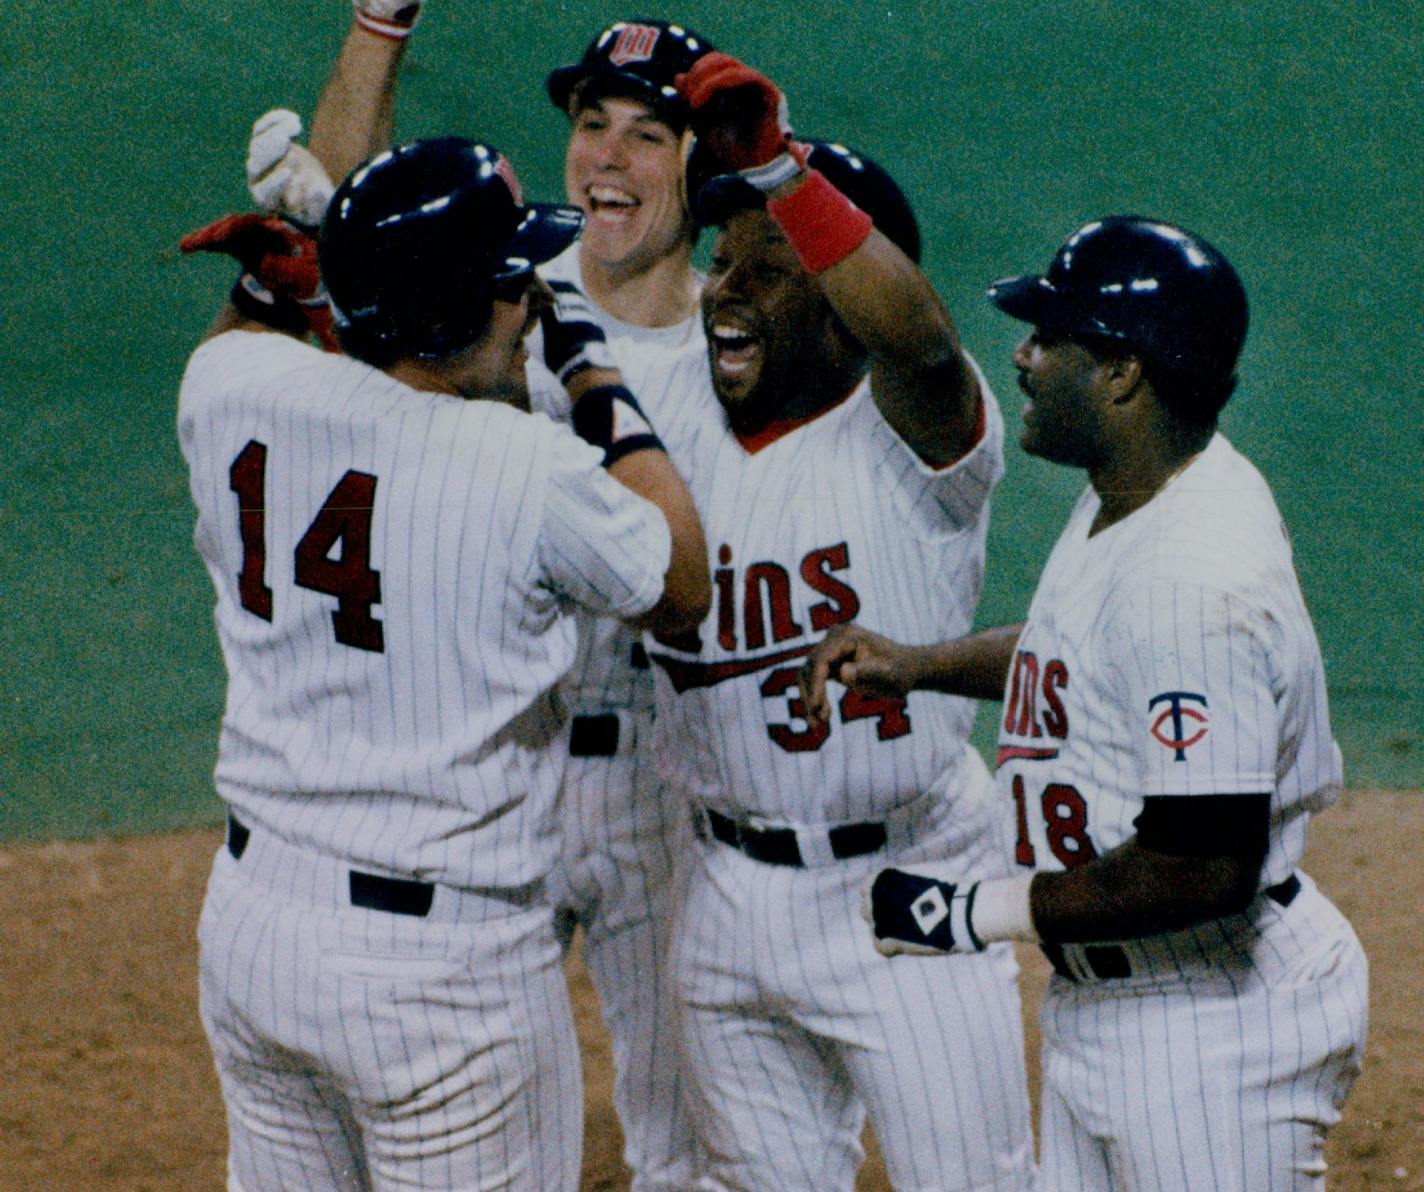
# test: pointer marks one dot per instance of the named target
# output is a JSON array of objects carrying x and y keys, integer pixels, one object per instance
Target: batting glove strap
[
  {"x": 823, "y": 226},
  {"x": 296, "y": 316},
  {"x": 255, "y": 301},
  {"x": 777, "y": 171},
  {"x": 610, "y": 418},
  {"x": 393, "y": 19},
  {"x": 914, "y": 913}
]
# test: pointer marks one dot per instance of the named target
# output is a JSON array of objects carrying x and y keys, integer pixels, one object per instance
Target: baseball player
[
  {"x": 397, "y": 545},
  {"x": 842, "y": 449},
  {"x": 1164, "y": 741},
  {"x": 624, "y": 169}
]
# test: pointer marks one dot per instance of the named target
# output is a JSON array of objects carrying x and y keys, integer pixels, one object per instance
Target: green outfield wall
[{"x": 1288, "y": 133}]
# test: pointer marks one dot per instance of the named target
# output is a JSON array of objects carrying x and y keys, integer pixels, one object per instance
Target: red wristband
[
  {"x": 824, "y": 226},
  {"x": 392, "y": 30}
]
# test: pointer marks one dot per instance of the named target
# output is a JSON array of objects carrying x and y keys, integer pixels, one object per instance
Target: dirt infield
[{"x": 106, "y": 1083}]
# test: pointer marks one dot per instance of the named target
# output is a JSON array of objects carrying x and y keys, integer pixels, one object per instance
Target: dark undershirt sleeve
[{"x": 1205, "y": 825}]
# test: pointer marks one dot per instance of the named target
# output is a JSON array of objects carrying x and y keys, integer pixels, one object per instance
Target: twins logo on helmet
[{"x": 635, "y": 43}]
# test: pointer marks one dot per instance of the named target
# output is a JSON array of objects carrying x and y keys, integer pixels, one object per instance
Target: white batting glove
[
  {"x": 284, "y": 178},
  {"x": 920, "y": 911},
  {"x": 388, "y": 18}
]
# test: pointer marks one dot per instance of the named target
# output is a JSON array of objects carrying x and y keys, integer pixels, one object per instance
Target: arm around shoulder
[
  {"x": 607, "y": 415},
  {"x": 687, "y": 586}
]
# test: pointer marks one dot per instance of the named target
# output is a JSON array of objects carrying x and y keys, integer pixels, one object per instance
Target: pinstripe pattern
[
  {"x": 1223, "y": 1058},
  {"x": 1178, "y": 1087},
  {"x": 914, "y": 558},
  {"x": 364, "y": 1050},
  {"x": 794, "y": 1027},
  {"x": 385, "y": 758},
  {"x": 615, "y": 877},
  {"x": 797, "y": 1027},
  {"x": 361, "y": 1048}
]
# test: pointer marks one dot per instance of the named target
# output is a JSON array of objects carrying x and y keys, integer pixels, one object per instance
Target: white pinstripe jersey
[
  {"x": 391, "y": 604},
  {"x": 651, "y": 358},
  {"x": 1169, "y": 654},
  {"x": 834, "y": 520}
]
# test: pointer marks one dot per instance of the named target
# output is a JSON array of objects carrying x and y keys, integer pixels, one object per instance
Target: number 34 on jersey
[{"x": 757, "y": 625}]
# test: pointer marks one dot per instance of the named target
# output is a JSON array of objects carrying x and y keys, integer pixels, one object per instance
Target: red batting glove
[
  {"x": 740, "y": 115},
  {"x": 281, "y": 281}
]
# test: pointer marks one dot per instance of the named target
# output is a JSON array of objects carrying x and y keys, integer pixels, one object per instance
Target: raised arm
[
  {"x": 355, "y": 115},
  {"x": 607, "y": 414},
  {"x": 922, "y": 383}
]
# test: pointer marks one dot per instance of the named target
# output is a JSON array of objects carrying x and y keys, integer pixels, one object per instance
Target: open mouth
[
  {"x": 610, "y": 202},
  {"x": 734, "y": 348},
  {"x": 1028, "y": 393}
]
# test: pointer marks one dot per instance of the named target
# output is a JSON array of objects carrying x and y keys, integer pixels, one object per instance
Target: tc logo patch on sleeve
[{"x": 1179, "y": 726}]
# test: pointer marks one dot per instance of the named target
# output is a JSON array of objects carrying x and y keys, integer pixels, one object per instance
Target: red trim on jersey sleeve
[{"x": 782, "y": 427}]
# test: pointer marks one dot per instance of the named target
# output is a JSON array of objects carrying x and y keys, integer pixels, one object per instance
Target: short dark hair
[
  {"x": 591, "y": 90},
  {"x": 1192, "y": 400},
  {"x": 378, "y": 353}
]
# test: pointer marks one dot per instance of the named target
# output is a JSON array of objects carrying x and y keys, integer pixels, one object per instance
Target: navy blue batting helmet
[
  {"x": 640, "y": 58},
  {"x": 1153, "y": 288},
  {"x": 713, "y": 195},
  {"x": 420, "y": 240}
]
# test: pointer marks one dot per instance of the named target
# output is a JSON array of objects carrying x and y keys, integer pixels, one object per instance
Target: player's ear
[{"x": 1119, "y": 377}]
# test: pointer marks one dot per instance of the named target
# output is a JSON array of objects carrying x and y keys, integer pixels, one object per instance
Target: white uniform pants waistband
[
  {"x": 1215, "y": 949},
  {"x": 325, "y": 881},
  {"x": 810, "y": 845}
]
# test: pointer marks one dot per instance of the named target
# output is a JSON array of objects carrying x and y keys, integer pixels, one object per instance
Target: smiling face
[
  {"x": 623, "y": 169},
  {"x": 773, "y": 341}
]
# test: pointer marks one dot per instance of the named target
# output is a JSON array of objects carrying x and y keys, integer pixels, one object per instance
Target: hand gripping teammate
[
  {"x": 1165, "y": 738},
  {"x": 624, "y": 169},
  {"x": 397, "y": 545},
  {"x": 841, "y": 449}
]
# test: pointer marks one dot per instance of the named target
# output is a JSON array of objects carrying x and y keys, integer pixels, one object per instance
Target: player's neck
[
  {"x": 662, "y": 294},
  {"x": 1128, "y": 482}
]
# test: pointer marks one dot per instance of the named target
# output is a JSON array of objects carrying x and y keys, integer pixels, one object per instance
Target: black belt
[
  {"x": 395, "y": 895},
  {"x": 777, "y": 846},
  {"x": 1110, "y": 963},
  {"x": 593, "y": 736}
]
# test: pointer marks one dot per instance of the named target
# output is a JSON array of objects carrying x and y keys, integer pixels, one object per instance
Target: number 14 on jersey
[{"x": 343, "y": 520}]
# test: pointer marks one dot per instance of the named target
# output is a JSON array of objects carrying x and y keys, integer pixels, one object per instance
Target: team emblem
[
  {"x": 930, "y": 909},
  {"x": 635, "y": 44},
  {"x": 1179, "y": 727}
]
